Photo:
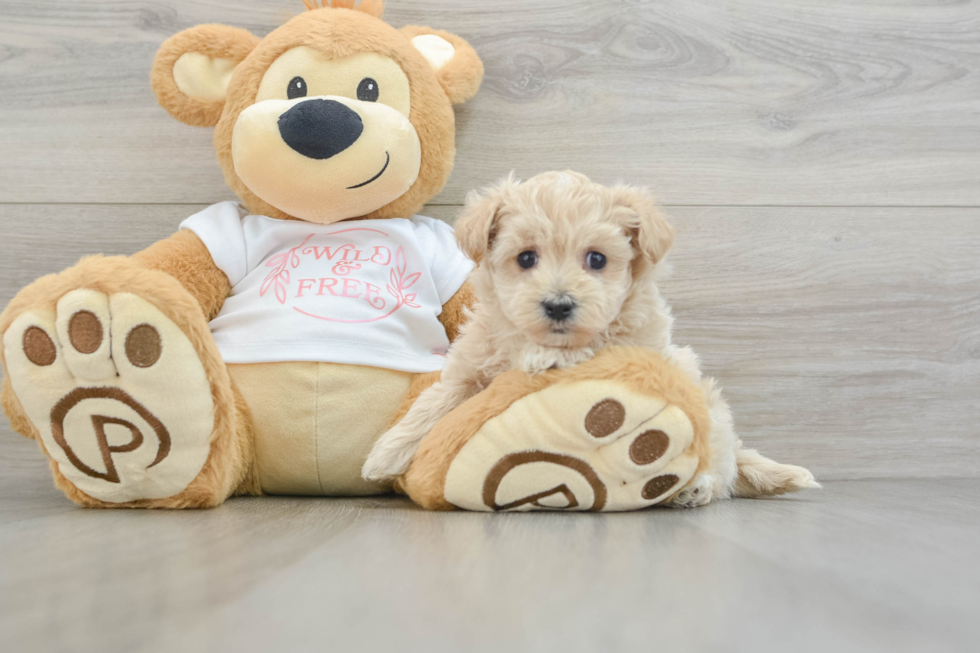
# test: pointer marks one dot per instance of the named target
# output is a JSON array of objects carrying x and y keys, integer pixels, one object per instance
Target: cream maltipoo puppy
[{"x": 566, "y": 267}]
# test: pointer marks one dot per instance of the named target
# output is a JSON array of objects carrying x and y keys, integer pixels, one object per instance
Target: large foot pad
[
  {"x": 117, "y": 392},
  {"x": 623, "y": 432},
  {"x": 594, "y": 445}
]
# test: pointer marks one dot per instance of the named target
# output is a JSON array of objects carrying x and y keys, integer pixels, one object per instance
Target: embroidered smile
[{"x": 362, "y": 185}]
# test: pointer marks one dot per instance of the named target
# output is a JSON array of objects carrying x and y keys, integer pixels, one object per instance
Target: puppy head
[{"x": 560, "y": 255}]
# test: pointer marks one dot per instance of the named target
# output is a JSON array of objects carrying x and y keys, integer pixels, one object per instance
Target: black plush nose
[
  {"x": 558, "y": 311},
  {"x": 320, "y": 129}
]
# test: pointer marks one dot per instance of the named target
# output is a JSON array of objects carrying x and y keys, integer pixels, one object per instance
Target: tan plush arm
[{"x": 184, "y": 257}]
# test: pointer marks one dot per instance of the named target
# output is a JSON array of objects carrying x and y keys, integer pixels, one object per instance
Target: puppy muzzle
[{"x": 559, "y": 310}]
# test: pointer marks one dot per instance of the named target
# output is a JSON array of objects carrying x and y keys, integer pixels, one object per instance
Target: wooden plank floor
[
  {"x": 821, "y": 160},
  {"x": 862, "y": 566}
]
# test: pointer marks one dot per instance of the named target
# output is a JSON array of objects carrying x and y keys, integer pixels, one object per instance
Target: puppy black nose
[
  {"x": 558, "y": 311},
  {"x": 320, "y": 129}
]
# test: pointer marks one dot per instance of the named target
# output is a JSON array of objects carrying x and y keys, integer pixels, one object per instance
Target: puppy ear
[
  {"x": 476, "y": 225},
  {"x": 456, "y": 64},
  {"x": 192, "y": 70},
  {"x": 652, "y": 235}
]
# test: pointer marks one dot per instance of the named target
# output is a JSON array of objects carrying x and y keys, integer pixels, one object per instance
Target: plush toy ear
[
  {"x": 652, "y": 235},
  {"x": 455, "y": 62},
  {"x": 192, "y": 70}
]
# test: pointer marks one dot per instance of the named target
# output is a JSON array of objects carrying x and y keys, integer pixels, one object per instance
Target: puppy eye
[
  {"x": 367, "y": 90},
  {"x": 595, "y": 260},
  {"x": 296, "y": 88},
  {"x": 527, "y": 260}
]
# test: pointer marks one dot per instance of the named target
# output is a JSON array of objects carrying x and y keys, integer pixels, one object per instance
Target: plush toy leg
[
  {"x": 623, "y": 431},
  {"x": 111, "y": 367}
]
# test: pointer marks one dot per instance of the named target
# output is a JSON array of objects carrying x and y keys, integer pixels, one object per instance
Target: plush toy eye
[
  {"x": 296, "y": 88},
  {"x": 595, "y": 260},
  {"x": 527, "y": 260},
  {"x": 367, "y": 90}
]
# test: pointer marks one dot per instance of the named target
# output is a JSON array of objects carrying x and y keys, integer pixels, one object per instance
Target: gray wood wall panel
[
  {"x": 847, "y": 339},
  {"x": 801, "y": 102}
]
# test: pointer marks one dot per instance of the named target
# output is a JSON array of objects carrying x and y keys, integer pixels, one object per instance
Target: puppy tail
[{"x": 759, "y": 476}]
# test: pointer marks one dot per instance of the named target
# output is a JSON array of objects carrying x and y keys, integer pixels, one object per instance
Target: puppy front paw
[
  {"x": 536, "y": 359},
  {"x": 698, "y": 493},
  {"x": 391, "y": 455}
]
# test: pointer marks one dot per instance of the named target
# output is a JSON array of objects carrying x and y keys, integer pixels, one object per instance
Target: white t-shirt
[{"x": 366, "y": 292}]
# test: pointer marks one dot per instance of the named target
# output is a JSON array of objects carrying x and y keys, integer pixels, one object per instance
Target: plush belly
[{"x": 316, "y": 422}]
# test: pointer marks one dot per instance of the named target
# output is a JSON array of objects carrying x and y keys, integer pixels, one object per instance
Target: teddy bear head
[{"x": 334, "y": 115}]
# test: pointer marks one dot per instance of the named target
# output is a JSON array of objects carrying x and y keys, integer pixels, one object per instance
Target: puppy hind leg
[{"x": 735, "y": 471}]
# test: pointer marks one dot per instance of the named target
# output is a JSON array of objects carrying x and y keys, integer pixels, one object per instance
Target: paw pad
[
  {"x": 38, "y": 347},
  {"x": 656, "y": 487},
  {"x": 605, "y": 418},
  {"x": 649, "y": 446},
  {"x": 143, "y": 346},
  {"x": 85, "y": 332}
]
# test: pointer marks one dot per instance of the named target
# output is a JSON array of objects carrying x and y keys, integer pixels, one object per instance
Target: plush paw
[
  {"x": 120, "y": 398},
  {"x": 594, "y": 445}
]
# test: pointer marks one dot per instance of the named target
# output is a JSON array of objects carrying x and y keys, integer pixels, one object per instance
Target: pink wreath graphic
[
  {"x": 400, "y": 280},
  {"x": 279, "y": 278}
]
